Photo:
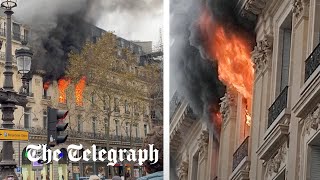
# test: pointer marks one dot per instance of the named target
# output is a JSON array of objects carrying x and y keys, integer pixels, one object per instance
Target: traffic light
[{"x": 56, "y": 126}]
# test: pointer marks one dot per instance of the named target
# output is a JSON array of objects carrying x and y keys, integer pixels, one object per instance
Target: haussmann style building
[
  {"x": 84, "y": 128},
  {"x": 282, "y": 141}
]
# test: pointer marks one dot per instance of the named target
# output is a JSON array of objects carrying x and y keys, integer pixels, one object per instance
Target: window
[
  {"x": 92, "y": 98},
  {"x": 314, "y": 161},
  {"x": 106, "y": 127},
  {"x": 135, "y": 107},
  {"x": 16, "y": 31},
  {"x": 80, "y": 127},
  {"x": 126, "y": 108},
  {"x": 26, "y": 34},
  {"x": 145, "y": 111},
  {"x": 316, "y": 24},
  {"x": 116, "y": 105},
  {"x": 94, "y": 121},
  {"x": 27, "y": 117},
  {"x": 45, "y": 119},
  {"x": 284, "y": 56},
  {"x": 153, "y": 114},
  {"x": 117, "y": 127},
  {"x": 136, "y": 130},
  {"x": 145, "y": 127},
  {"x": 127, "y": 129},
  {"x": 282, "y": 176}
]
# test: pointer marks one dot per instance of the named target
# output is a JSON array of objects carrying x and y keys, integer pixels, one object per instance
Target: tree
[{"x": 114, "y": 78}]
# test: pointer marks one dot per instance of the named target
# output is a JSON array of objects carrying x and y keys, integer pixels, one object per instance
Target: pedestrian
[
  {"x": 94, "y": 177},
  {"x": 116, "y": 178},
  {"x": 154, "y": 170}
]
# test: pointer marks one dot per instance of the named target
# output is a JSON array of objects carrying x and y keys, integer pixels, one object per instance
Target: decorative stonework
[
  {"x": 273, "y": 165},
  {"x": 203, "y": 142},
  {"x": 227, "y": 102},
  {"x": 299, "y": 6},
  {"x": 252, "y": 9},
  {"x": 312, "y": 121},
  {"x": 261, "y": 55},
  {"x": 182, "y": 170}
]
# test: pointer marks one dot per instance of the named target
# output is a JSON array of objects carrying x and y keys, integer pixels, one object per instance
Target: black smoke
[
  {"x": 193, "y": 73},
  {"x": 59, "y": 26},
  {"x": 69, "y": 35}
]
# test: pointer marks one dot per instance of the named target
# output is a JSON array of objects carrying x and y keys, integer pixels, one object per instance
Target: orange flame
[
  {"x": 46, "y": 85},
  {"x": 232, "y": 52},
  {"x": 248, "y": 118},
  {"x": 79, "y": 91},
  {"x": 63, "y": 84}
]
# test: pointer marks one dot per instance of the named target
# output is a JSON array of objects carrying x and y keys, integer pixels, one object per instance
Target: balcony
[
  {"x": 15, "y": 36},
  {"x": 18, "y": 37},
  {"x": 39, "y": 131},
  {"x": 312, "y": 62},
  {"x": 278, "y": 106},
  {"x": 241, "y": 153}
]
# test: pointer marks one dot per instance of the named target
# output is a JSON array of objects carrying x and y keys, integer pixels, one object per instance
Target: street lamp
[
  {"x": 9, "y": 98},
  {"x": 23, "y": 56},
  {"x": 8, "y": 4}
]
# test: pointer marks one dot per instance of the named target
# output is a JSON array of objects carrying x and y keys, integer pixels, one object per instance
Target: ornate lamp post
[{"x": 8, "y": 97}]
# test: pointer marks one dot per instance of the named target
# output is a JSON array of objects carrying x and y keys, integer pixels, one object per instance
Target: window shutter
[{"x": 315, "y": 164}]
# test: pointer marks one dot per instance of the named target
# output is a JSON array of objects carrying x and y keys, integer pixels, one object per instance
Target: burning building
[
  {"x": 48, "y": 87},
  {"x": 270, "y": 109}
]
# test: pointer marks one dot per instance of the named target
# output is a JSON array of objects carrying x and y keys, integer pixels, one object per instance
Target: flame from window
[
  {"x": 232, "y": 52},
  {"x": 63, "y": 84},
  {"x": 46, "y": 85},
  {"x": 79, "y": 91}
]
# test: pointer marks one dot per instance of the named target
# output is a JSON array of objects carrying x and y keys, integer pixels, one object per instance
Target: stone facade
[
  {"x": 285, "y": 120},
  {"x": 193, "y": 147},
  {"x": 36, "y": 117}
]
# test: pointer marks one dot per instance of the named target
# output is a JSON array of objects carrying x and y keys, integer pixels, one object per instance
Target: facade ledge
[
  {"x": 273, "y": 140},
  {"x": 242, "y": 170},
  {"x": 179, "y": 126},
  {"x": 309, "y": 95}
]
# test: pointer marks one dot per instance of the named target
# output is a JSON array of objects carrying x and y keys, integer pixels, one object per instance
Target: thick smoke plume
[
  {"x": 57, "y": 27},
  {"x": 60, "y": 26},
  {"x": 193, "y": 74}
]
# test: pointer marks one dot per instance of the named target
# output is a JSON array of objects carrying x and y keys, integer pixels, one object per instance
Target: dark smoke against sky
[
  {"x": 192, "y": 74},
  {"x": 57, "y": 26}
]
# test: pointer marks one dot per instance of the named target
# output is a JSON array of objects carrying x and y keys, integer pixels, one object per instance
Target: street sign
[{"x": 13, "y": 135}]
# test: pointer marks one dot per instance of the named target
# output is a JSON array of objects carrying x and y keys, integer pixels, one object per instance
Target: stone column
[
  {"x": 227, "y": 136},
  {"x": 203, "y": 154},
  {"x": 299, "y": 54},
  {"x": 262, "y": 59}
]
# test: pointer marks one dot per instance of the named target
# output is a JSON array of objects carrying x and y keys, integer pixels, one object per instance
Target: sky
[
  {"x": 141, "y": 25},
  {"x": 130, "y": 19}
]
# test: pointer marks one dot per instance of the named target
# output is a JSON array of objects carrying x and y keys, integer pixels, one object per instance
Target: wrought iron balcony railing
[
  {"x": 278, "y": 106},
  {"x": 83, "y": 135},
  {"x": 312, "y": 62},
  {"x": 241, "y": 153}
]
